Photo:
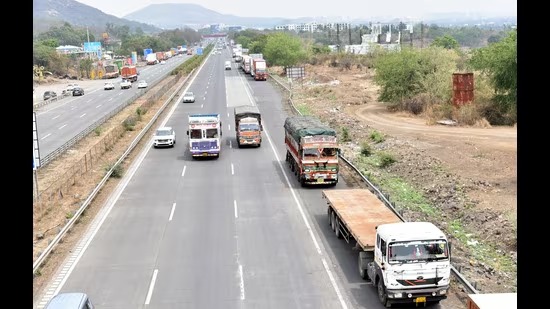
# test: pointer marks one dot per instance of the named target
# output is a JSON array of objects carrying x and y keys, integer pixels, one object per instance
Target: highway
[
  {"x": 60, "y": 121},
  {"x": 233, "y": 232}
]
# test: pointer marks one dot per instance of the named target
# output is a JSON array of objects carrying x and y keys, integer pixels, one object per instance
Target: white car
[
  {"x": 125, "y": 84},
  {"x": 142, "y": 84},
  {"x": 109, "y": 86},
  {"x": 164, "y": 136},
  {"x": 228, "y": 65},
  {"x": 70, "y": 87},
  {"x": 163, "y": 62},
  {"x": 189, "y": 97}
]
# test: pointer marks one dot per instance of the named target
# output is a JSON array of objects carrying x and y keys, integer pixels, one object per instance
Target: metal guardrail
[
  {"x": 376, "y": 191},
  {"x": 43, "y": 256},
  {"x": 57, "y": 152}
]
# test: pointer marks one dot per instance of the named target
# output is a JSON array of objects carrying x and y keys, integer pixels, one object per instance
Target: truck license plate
[
  {"x": 204, "y": 154},
  {"x": 320, "y": 180},
  {"x": 420, "y": 300}
]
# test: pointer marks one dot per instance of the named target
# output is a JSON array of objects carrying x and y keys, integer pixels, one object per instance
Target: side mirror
[{"x": 187, "y": 132}]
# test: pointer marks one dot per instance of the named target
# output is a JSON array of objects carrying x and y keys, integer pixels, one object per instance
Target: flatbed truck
[{"x": 407, "y": 262}]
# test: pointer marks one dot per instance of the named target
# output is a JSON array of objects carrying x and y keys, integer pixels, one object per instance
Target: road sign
[{"x": 199, "y": 51}]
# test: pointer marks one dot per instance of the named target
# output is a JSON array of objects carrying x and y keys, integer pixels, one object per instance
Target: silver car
[{"x": 189, "y": 97}]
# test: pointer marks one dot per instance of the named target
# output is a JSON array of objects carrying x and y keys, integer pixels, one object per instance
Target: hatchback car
[
  {"x": 142, "y": 84},
  {"x": 109, "y": 86},
  {"x": 228, "y": 65},
  {"x": 189, "y": 97},
  {"x": 78, "y": 91},
  {"x": 50, "y": 95},
  {"x": 164, "y": 136}
]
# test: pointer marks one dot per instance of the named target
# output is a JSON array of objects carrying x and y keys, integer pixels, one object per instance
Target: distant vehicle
[
  {"x": 189, "y": 97},
  {"x": 142, "y": 84},
  {"x": 109, "y": 86},
  {"x": 163, "y": 62},
  {"x": 70, "y": 87},
  {"x": 72, "y": 300},
  {"x": 50, "y": 95},
  {"x": 164, "y": 136},
  {"x": 78, "y": 91},
  {"x": 125, "y": 84},
  {"x": 228, "y": 65}
]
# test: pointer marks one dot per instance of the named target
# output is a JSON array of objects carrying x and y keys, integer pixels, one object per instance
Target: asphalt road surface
[
  {"x": 62, "y": 120},
  {"x": 232, "y": 232}
]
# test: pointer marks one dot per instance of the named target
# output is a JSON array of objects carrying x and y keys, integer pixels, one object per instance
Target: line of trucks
[
  {"x": 255, "y": 65},
  {"x": 406, "y": 262}
]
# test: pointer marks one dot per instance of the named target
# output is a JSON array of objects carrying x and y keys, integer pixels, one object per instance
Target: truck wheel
[
  {"x": 287, "y": 159},
  {"x": 337, "y": 229},
  {"x": 382, "y": 295},
  {"x": 292, "y": 167},
  {"x": 362, "y": 271},
  {"x": 329, "y": 213},
  {"x": 332, "y": 219}
]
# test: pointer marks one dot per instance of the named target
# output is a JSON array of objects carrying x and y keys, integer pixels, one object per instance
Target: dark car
[
  {"x": 50, "y": 95},
  {"x": 78, "y": 91}
]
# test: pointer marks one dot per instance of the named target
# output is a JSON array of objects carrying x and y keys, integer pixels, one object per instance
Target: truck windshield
[
  {"x": 195, "y": 134},
  {"x": 417, "y": 251},
  {"x": 249, "y": 127},
  {"x": 211, "y": 133},
  {"x": 320, "y": 152}
]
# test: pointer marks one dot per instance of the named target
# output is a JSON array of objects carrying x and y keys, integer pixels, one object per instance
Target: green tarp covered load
[{"x": 301, "y": 126}]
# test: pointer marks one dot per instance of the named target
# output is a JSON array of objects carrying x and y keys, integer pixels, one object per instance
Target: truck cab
[
  {"x": 411, "y": 262},
  {"x": 248, "y": 126}
]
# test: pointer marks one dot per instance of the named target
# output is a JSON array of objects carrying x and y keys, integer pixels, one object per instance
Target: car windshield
[
  {"x": 189, "y": 94},
  {"x": 164, "y": 132}
]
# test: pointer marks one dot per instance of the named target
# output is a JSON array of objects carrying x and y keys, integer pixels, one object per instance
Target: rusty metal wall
[{"x": 463, "y": 88}]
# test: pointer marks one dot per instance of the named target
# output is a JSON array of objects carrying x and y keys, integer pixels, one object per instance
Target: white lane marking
[
  {"x": 235, "y": 206},
  {"x": 229, "y": 127},
  {"x": 89, "y": 101},
  {"x": 172, "y": 212},
  {"x": 242, "y": 281},
  {"x": 300, "y": 208},
  {"x": 110, "y": 99},
  {"x": 227, "y": 115},
  {"x": 232, "y": 169},
  {"x": 151, "y": 287},
  {"x": 61, "y": 127},
  {"x": 82, "y": 115},
  {"x": 202, "y": 105},
  {"x": 98, "y": 106},
  {"x": 55, "y": 117},
  {"x": 46, "y": 136},
  {"x": 183, "y": 172},
  {"x": 230, "y": 144}
]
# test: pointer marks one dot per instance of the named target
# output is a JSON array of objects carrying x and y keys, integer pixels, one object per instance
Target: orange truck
[
  {"x": 111, "y": 71},
  {"x": 129, "y": 72},
  {"x": 311, "y": 150},
  {"x": 248, "y": 126},
  {"x": 260, "y": 69}
]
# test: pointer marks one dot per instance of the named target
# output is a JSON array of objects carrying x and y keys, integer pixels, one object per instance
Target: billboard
[
  {"x": 92, "y": 47},
  {"x": 134, "y": 57},
  {"x": 199, "y": 51}
]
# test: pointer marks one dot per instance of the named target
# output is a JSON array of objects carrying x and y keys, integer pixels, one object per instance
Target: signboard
[
  {"x": 134, "y": 57},
  {"x": 92, "y": 46},
  {"x": 199, "y": 51},
  {"x": 36, "y": 152},
  {"x": 147, "y": 51},
  {"x": 296, "y": 72}
]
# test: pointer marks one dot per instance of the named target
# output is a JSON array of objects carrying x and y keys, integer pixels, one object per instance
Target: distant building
[
  {"x": 69, "y": 49},
  {"x": 313, "y": 27}
]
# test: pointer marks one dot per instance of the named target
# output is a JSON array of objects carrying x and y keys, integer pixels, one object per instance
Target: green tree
[
  {"x": 258, "y": 45},
  {"x": 446, "y": 41},
  {"x": 283, "y": 49},
  {"x": 498, "y": 61}
]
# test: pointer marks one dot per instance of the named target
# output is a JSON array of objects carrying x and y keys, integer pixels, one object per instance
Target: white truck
[
  {"x": 407, "y": 262},
  {"x": 205, "y": 132}
]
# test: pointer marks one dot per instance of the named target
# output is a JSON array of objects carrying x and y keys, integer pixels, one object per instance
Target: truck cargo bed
[{"x": 361, "y": 212}]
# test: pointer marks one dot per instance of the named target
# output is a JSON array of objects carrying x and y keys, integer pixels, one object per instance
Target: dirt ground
[{"x": 468, "y": 173}]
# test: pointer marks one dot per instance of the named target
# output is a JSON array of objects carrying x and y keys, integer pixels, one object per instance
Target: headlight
[{"x": 306, "y": 170}]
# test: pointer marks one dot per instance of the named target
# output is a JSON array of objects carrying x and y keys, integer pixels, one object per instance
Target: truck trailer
[
  {"x": 260, "y": 69},
  {"x": 248, "y": 126},
  {"x": 129, "y": 72},
  {"x": 311, "y": 150},
  {"x": 407, "y": 262}
]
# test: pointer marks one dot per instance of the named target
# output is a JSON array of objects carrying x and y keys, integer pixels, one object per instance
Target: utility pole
[
  {"x": 421, "y": 35},
  {"x": 349, "y": 28},
  {"x": 88, "y": 35},
  {"x": 338, "y": 36}
]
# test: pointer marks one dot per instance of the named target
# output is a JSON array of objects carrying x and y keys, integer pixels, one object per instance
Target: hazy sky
[{"x": 312, "y": 8}]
